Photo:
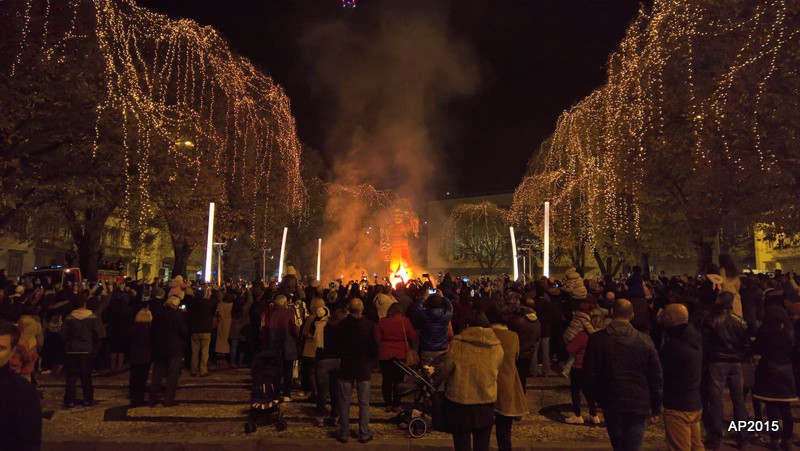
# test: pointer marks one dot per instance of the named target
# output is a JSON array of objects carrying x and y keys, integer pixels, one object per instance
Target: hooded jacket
[
  {"x": 382, "y": 303},
  {"x": 80, "y": 330},
  {"x": 682, "y": 361},
  {"x": 433, "y": 325},
  {"x": 623, "y": 369},
  {"x": 472, "y": 365},
  {"x": 526, "y": 324}
]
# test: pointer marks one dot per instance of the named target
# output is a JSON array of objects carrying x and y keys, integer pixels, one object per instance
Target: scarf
[{"x": 319, "y": 332}]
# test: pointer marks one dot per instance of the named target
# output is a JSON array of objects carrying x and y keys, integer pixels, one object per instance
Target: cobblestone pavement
[{"x": 216, "y": 406}]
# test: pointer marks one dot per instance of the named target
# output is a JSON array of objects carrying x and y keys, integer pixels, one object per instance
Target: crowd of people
[{"x": 636, "y": 348}]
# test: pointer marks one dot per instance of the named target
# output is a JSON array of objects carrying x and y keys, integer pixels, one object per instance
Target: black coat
[
  {"x": 20, "y": 413},
  {"x": 357, "y": 344},
  {"x": 168, "y": 333},
  {"x": 623, "y": 369},
  {"x": 544, "y": 311},
  {"x": 682, "y": 362},
  {"x": 528, "y": 331},
  {"x": 141, "y": 344},
  {"x": 199, "y": 315},
  {"x": 774, "y": 373},
  {"x": 725, "y": 337}
]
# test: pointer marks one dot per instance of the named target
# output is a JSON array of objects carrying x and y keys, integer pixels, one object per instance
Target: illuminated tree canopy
[
  {"x": 182, "y": 112},
  {"x": 690, "y": 126}
]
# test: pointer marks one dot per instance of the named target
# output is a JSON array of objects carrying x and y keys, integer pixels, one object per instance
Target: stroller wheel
[
  {"x": 417, "y": 427},
  {"x": 281, "y": 426},
  {"x": 250, "y": 427}
]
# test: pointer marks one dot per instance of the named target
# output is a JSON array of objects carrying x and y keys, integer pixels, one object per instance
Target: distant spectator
[
  {"x": 82, "y": 331},
  {"x": 20, "y": 409}
]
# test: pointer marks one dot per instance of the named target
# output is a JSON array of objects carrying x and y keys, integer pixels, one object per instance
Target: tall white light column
[
  {"x": 514, "y": 251},
  {"x": 546, "y": 256},
  {"x": 319, "y": 258},
  {"x": 209, "y": 243},
  {"x": 283, "y": 250}
]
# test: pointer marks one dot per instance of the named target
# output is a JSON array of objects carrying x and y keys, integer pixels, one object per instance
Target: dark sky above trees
[{"x": 535, "y": 58}]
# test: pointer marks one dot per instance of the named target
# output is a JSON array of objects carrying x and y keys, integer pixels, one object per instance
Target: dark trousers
[
  {"x": 138, "y": 381},
  {"x": 780, "y": 411},
  {"x": 288, "y": 369},
  {"x": 169, "y": 369},
  {"x": 502, "y": 425},
  {"x": 328, "y": 385},
  {"x": 308, "y": 365},
  {"x": 625, "y": 432},
  {"x": 524, "y": 371},
  {"x": 577, "y": 384},
  {"x": 391, "y": 376},
  {"x": 718, "y": 376},
  {"x": 480, "y": 439},
  {"x": 78, "y": 365}
]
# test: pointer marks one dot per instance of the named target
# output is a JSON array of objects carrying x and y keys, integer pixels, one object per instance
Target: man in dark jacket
[
  {"x": 622, "y": 367},
  {"x": 524, "y": 322},
  {"x": 544, "y": 312},
  {"x": 20, "y": 410},
  {"x": 725, "y": 345},
  {"x": 682, "y": 361},
  {"x": 357, "y": 344},
  {"x": 169, "y": 335},
  {"x": 282, "y": 334},
  {"x": 199, "y": 317},
  {"x": 81, "y": 330}
]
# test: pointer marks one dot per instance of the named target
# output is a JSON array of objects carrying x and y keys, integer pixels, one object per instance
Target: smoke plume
[{"x": 387, "y": 77}]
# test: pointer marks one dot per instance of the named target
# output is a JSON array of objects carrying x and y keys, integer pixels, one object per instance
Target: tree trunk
[
  {"x": 644, "y": 261},
  {"x": 182, "y": 250},
  {"x": 88, "y": 235},
  {"x": 88, "y": 250},
  {"x": 705, "y": 254},
  {"x": 599, "y": 259}
]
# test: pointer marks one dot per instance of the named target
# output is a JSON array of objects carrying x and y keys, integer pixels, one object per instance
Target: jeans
[
  {"x": 138, "y": 381},
  {"x": 542, "y": 353},
  {"x": 235, "y": 343},
  {"x": 391, "y": 376},
  {"x": 578, "y": 384},
  {"x": 169, "y": 369},
  {"x": 625, "y": 432},
  {"x": 200, "y": 344},
  {"x": 683, "y": 430},
  {"x": 782, "y": 411},
  {"x": 328, "y": 385},
  {"x": 78, "y": 365},
  {"x": 502, "y": 429},
  {"x": 721, "y": 374},
  {"x": 362, "y": 387},
  {"x": 480, "y": 439}
]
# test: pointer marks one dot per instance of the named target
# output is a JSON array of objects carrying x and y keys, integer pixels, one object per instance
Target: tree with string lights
[
  {"x": 156, "y": 80},
  {"x": 687, "y": 127},
  {"x": 477, "y": 233}
]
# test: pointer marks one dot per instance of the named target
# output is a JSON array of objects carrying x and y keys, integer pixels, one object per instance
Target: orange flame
[{"x": 402, "y": 274}]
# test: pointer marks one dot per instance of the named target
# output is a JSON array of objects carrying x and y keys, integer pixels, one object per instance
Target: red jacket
[
  {"x": 578, "y": 347},
  {"x": 390, "y": 334}
]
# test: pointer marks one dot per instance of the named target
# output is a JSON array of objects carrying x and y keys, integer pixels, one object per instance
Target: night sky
[{"x": 536, "y": 58}]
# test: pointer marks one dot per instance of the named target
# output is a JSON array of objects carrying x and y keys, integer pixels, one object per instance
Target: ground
[{"x": 213, "y": 412}]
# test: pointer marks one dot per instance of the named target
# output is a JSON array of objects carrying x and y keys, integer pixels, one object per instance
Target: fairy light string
[{"x": 172, "y": 81}]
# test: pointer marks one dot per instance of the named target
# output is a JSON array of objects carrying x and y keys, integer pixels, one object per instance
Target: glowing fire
[{"x": 400, "y": 275}]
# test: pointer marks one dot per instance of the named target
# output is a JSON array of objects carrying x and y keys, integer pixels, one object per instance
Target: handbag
[{"x": 412, "y": 358}]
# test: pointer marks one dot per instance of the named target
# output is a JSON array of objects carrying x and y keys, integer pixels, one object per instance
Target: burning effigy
[{"x": 396, "y": 245}]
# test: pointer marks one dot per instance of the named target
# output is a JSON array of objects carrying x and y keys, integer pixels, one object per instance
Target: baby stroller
[
  {"x": 417, "y": 416},
  {"x": 265, "y": 399}
]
